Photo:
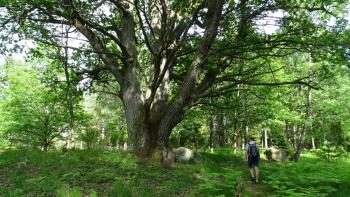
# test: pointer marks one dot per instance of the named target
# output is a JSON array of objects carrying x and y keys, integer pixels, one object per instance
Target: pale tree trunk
[
  {"x": 245, "y": 121},
  {"x": 265, "y": 137},
  {"x": 213, "y": 131},
  {"x": 235, "y": 123},
  {"x": 246, "y": 133},
  {"x": 295, "y": 135},
  {"x": 313, "y": 143},
  {"x": 224, "y": 132},
  {"x": 221, "y": 130},
  {"x": 211, "y": 134},
  {"x": 125, "y": 146},
  {"x": 287, "y": 131},
  {"x": 235, "y": 130},
  {"x": 235, "y": 143},
  {"x": 103, "y": 130}
]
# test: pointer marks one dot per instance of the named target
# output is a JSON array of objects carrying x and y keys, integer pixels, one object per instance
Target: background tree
[{"x": 33, "y": 114}]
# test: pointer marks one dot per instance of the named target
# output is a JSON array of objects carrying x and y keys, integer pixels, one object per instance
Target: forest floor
[{"x": 117, "y": 173}]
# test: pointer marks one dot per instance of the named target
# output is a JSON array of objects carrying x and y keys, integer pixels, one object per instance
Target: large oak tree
[{"x": 168, "y": 55}]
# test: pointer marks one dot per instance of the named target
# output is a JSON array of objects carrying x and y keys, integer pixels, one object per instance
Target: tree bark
[
  {"x": 212, "y": 131},
  {"x": 174, "y": 112},
  {"x": 69, "y": 96},
  {"x": 308, "y": 124},
  {"x": 222, "y": 130}
]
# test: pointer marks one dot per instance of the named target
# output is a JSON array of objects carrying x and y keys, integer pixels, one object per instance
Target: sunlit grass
[{"x": 308, "y": 177}]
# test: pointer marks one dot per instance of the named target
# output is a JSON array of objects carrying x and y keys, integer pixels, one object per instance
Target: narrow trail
[{"x": 245, "y": 187}]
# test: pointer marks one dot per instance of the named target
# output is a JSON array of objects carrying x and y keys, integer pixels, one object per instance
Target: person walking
[{"x": 252, "y": 155}]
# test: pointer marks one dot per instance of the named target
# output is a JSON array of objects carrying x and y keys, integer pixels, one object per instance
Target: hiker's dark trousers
[{"x": 253, "y": 161}]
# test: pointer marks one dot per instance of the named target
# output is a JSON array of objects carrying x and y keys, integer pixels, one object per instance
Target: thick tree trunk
[{"x": 139, "y": 132}]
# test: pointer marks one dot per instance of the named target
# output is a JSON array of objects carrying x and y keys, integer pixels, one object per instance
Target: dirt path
[{"x": 246, "y": 187}]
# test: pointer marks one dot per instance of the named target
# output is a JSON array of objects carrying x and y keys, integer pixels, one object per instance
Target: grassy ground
[
  {"x": 115, "y": 173},
  {"x": 308, "y": 177}
]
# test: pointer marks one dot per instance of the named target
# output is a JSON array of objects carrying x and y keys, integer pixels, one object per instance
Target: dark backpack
[{"x": 253, "y": 150}]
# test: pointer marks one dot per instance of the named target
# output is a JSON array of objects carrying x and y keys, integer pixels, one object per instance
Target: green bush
[
  {"x": 90, "y": 137},
  {"x": 329, "y": 152}
]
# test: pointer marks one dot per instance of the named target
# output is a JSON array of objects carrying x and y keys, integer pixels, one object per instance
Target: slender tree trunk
[
  {"x": 69, "y": 95},
  {"x": 287, "y": 131},
  {"x": 235, "y": 121},
  {"x": 295, "y": 135},
  {"x": 313, "y": 143},
  {"x": 235, "y": 143},
  {"x": 308, "y": 125},
  {"x": 221, "y": 130},
  {"x": 243, "y": 142},
  {"x": 245, "y": 115},
  {"x": 212, "y": 128},
  {"x": 265, "y": 137}
]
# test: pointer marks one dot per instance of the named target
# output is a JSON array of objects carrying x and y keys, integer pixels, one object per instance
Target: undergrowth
[
  {"x": 310, "y": 176},
  {"x": 111, "y": 173},
  {"x": 116, "y": 173}
]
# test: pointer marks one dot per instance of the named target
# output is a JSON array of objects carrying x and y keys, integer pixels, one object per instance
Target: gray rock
[
  {"x": 184, "y": 154},
  {"x": 276, "y": 154}
]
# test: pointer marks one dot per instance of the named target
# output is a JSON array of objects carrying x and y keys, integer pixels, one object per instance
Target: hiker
[{"x": 253, "y": 156}]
